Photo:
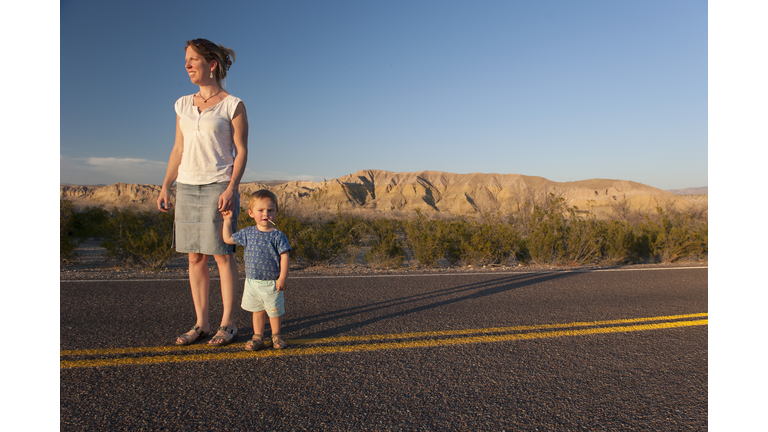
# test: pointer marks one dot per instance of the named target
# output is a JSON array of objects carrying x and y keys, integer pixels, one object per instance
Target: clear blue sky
[{"x": 566, "y": 90}]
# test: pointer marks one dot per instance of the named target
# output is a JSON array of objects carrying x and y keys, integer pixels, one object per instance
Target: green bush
[
  {"x": 140, "y": 238},
  {"x": 427, "y": 238},
  {"x": 545, "y": 242},
  {"x": 386, "y": 249},
  {"x": 325, "y": 241},
  {"x": 583, "y": 240},
  {"x": 670, "y": 237},
  {"x": 546, "y": 231},
  {"x": 486, "y": 243},
  {"x": 90, "y": 223},
  {"x": 619, "y": 242},
  {"x": 703, "y": 235},
  {"x": 67, "y": 243}
]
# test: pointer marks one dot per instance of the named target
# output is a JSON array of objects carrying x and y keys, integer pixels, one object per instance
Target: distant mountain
[
  {"x": 691, "y": 191},
  {"x": 375, "y": 191}
]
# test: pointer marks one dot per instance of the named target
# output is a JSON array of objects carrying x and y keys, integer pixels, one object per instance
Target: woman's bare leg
[
  {"x": 229, "y": 277},
  {"x": 200, "y": 283}
]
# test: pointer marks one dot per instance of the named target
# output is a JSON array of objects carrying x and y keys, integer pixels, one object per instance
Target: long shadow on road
[{"x": 437, "y": 298}]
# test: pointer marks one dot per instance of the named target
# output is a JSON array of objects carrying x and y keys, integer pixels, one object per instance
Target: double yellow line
[{"x": 343, "y": 344}]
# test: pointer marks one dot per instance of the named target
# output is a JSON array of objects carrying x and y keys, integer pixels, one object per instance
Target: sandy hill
[
  {"x": 704, "y": 190},
  {"x": 429, "y": 191}
]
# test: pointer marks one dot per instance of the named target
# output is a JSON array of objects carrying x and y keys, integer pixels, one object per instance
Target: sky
[{"x": 565, "y": 90}]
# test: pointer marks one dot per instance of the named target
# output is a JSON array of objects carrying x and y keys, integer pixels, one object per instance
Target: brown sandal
[
  {"x": 278, "y": 342},
  {"x": 256, "y": 343},
  {"x": 218, "y": 341},
  {"x": 190, "y": 339}
]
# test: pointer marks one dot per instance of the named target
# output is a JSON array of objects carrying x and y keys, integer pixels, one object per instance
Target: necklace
[{"x": 206, "y": 100}]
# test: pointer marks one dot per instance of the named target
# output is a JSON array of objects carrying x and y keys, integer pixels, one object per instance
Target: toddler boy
[{"x": 266, "y": 266}]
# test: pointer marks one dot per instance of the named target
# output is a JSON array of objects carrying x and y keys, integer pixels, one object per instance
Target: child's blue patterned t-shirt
[{"x": 262, "y": 252}]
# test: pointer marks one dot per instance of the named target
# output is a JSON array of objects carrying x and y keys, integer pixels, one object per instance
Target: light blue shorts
[
  {"x": 260, "y": 295},
  {"x": 198, "y": 223}
]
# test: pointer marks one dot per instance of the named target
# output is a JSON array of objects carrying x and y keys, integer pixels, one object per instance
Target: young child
[{"x": 266, "y": 267}]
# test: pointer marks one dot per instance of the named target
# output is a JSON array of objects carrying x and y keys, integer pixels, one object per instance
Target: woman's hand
[
  {"x": 227, "y": 200},
  {"x": 164, "y": 201}
]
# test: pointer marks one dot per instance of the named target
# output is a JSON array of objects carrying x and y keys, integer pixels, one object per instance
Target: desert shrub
[
  {"x": 140, "y": 238},
  {"x": 323, "y": 242},
  {"x": 541, "y": 230},
  {"x": 546, "y": 232},
  {"x": 350, "y": 228},
  {"x": 67, "y": 243},
  {"x": 670, "y": 237},
  {"x": 454, "y": 239},
  {"x": 90, "y": 222},
  {"x": 703, "y": 235},
  {"x": 487, "y": 242},
  {"x": 386, "y": 249},
  {"x": 427, "y": 238},
  {"x": 583, "y": 239},
  {"x": 619, "y": 244}
]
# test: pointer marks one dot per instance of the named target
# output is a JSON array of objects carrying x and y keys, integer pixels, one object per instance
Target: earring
[{"x": 211, "y": 76}]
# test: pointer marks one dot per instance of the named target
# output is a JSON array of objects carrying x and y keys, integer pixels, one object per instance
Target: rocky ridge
[{"x": 377, "y": 191}]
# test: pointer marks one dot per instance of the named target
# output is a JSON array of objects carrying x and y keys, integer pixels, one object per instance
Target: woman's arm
[
  {"x": 164, "y": 200},
  {"x": 240, "y": 138}
]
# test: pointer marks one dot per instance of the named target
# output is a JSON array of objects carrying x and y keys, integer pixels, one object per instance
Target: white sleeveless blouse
[{"x": 209, "y": 151}]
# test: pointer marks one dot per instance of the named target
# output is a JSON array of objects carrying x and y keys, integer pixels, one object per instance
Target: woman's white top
[{"x": 209, "y": 150}]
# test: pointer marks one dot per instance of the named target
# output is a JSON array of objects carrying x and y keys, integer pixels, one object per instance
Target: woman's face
[{"x": 197, "y": 68}]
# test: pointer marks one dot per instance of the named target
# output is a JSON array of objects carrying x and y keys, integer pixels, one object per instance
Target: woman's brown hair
[{"x": 210, "y": 51}]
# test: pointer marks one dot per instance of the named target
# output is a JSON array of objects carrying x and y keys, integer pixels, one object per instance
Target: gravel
[{"x": 92, "y": 263}]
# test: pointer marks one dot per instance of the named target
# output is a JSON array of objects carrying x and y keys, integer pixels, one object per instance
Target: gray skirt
[{"x": 198, "y": 223}]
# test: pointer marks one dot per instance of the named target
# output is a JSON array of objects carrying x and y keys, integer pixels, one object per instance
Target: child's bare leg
[
  {"x": 257, "y": 340},
  {"x": 274, "y": 324},
  {"x": 259, "y": 320},
  {"x": 277, "y": 340}
]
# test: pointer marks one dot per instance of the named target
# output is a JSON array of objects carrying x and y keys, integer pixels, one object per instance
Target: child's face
[{"x": 263, "y": 211}]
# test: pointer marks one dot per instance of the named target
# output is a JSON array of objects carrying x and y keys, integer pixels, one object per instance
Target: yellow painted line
[
  {"x": 492, "y": 329},
  {"x": 66, "y": 364},
  {"x": 205, "y": 347}
]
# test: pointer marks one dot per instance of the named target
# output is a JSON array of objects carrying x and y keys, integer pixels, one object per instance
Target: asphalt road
[{"x": 599, "y": 350}]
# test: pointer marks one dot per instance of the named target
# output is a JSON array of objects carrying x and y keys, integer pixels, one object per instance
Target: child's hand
[
  {"x": 227, "y": 214},
  {"x": 280, "y": 284}
]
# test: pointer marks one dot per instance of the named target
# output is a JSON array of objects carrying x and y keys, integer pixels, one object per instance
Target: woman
[{"x": 207, "y": 162}]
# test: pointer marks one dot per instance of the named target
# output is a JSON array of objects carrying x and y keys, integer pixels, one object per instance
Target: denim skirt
[{"x": 198, "y": 223}]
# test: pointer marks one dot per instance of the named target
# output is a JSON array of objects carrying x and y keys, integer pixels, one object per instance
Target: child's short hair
[{"x": 261, "y": 194}]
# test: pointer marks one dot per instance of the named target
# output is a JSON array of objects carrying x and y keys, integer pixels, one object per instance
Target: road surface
[{"x": 591, "y": 350}]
